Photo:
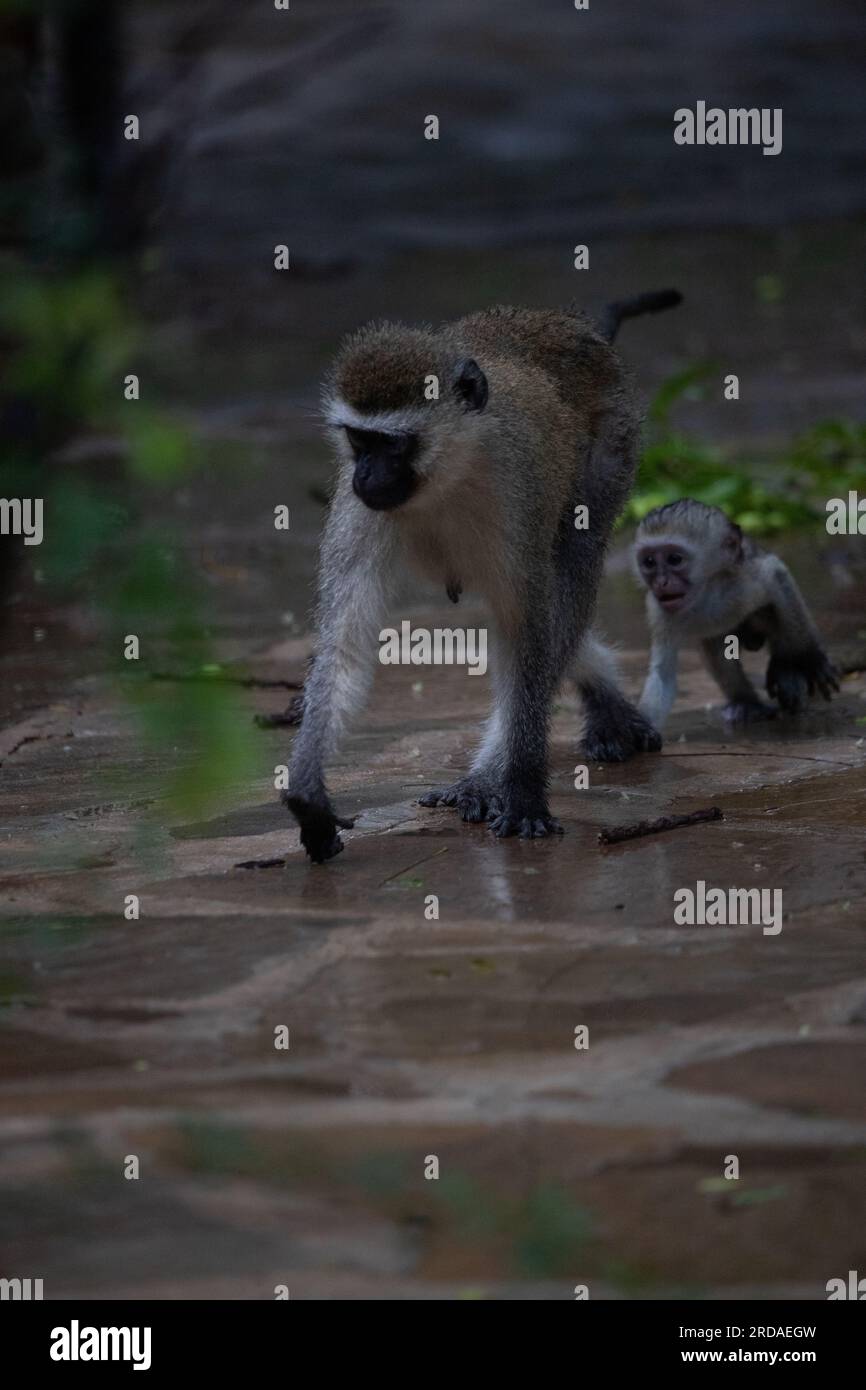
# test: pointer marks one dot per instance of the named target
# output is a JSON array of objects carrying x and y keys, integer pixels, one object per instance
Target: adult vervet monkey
[{"x": 508, "y": 481}]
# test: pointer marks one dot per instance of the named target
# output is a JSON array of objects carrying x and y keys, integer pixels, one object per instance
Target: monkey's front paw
[
  {"x": 742, "y": 712},
  {"x": 319, "y": 827},
  {"x": 821, "y": 674},
  {"x": 527, "y": 822},
  {"x": 615, "y": 741},
  {"x": 790, "y": 678},
  {"x": 472, "y": 799}
]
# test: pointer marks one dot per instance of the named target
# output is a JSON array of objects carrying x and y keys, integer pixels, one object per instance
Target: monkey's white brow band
[{"x": 338, "y": 412}]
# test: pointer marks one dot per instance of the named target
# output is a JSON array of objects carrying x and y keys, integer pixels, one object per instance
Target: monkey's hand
[
  {"x": 320, "y": 825},
  {"x": 794, "y": 675},
  {"x": 527, "y": 817}
]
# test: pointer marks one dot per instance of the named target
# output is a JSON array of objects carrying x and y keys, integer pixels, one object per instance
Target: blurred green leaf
[
  {"x": 68, "y": 342},
  {"x": 757, "y": 1196},
  {"x": 764, "y": 498},
  {"x": 769, "y": 289},
  {"x": 160, "y": 452}
]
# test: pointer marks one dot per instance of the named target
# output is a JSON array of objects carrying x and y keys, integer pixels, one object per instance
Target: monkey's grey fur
[
  {"x": 726, "y": 585},
  {"x": 476, "y": 489}
]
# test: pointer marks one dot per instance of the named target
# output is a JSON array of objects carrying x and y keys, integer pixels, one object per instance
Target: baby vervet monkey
[
  {"x": 493, "y": 454},
  {"x": 706, "y": 582}
]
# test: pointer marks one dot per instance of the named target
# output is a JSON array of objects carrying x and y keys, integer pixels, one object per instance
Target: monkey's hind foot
[
  {"x": 790, "y": 678},
  {"x": 741, "y": 712},
  {"x": 472, "y": 799},
  {"x": 526, "y": 817},
  {"x": 320, "y": 827},
  {"x": 613, "y": 735}
]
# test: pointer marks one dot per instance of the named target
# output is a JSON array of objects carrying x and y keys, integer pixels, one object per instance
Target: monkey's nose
[
  {"x": 363, "y": 470},
  {"x": 383, "y": 483}
]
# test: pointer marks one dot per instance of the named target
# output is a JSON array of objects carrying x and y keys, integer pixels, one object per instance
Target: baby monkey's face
[{"x": 666, "y": 571}]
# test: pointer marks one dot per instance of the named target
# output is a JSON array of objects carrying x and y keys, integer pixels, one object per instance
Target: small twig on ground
[
  {"x": 618, "y": 833},
  {"x": 276, "y": 863}
]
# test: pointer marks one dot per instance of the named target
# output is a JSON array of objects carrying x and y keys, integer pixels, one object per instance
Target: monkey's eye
[
  {"x": 648, "y": 562},
  {"x": 398, "y": 444},
  {"x": 674, "y": 558},
  {"x": 357, "y": 439}
]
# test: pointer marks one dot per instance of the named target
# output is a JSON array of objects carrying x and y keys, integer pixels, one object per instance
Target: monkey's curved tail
[{"x": 651, "y": 303}]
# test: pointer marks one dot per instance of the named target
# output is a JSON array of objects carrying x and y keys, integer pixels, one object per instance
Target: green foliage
[
  {"x": 69, "y": 343},
  {"x": 757, "y": 1196},
  {"x": 832, "y": 455},
  {"x": 201, "y": 731},
  {"x": 769, "y": 289},
  {"x": 546, "y": 1230},
  {"x": 551, "y": 1234},
  {"x": 79, "y": 525},
  {"x": 159, "y": 451},
  {"x": 689, "y": 384},
  {"x": 540, "y": 1234},
  {"x": 15, "y": 991},
  {"x": 770, "y": 495}
]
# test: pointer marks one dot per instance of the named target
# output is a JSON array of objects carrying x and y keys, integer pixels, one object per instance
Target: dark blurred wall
[{"x": 307, "y": 125}]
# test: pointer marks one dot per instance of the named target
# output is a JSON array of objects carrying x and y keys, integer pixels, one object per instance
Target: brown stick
[
  {"x": 277, "y": 862},
  {"x": 619, "y": 833}
]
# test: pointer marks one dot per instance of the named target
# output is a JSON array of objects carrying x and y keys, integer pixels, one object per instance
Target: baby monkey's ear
[
  {"x": 470, "y": 384},
  {"x": 732, "y": 544}
]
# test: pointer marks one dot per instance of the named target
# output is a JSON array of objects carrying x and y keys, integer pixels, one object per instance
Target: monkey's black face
[
  {"x": 665, "y": 571},
  {"x": 384, "y": 477}
]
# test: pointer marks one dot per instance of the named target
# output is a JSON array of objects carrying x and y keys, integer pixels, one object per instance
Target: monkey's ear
[
  {"x": 470, "y": 384},
  {"x": 733, "y": 542}
]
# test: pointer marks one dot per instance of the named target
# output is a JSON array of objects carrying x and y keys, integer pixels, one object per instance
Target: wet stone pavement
[{"x": 453, "y": 1037}]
